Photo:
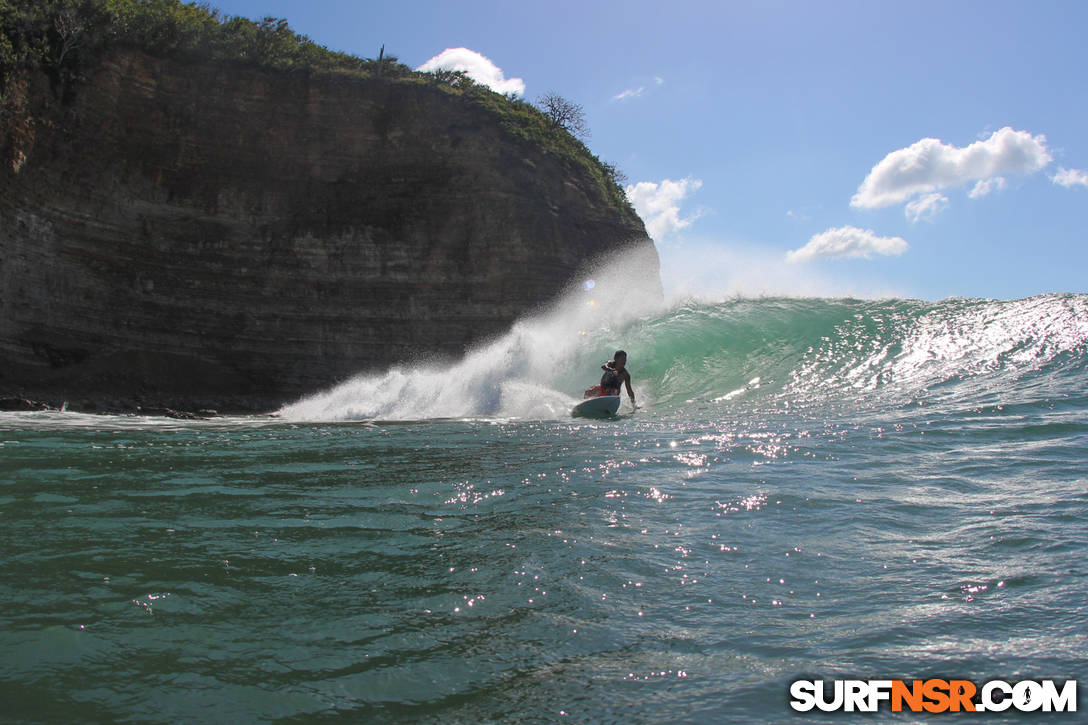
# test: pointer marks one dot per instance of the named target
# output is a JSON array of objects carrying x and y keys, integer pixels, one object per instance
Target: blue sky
[{"x": 865, "y": 148}]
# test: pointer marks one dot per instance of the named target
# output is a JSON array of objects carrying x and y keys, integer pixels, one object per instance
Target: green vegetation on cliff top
[{"x": 63, "y": 37}]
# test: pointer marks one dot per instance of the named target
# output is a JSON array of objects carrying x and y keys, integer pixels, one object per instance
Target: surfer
[{"x": 615, "y": 374}]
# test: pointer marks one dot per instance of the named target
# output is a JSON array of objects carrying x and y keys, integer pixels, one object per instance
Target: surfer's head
[{"x": 620, "y": 358}]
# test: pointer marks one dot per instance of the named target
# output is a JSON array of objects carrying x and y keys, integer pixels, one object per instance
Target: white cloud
[
  {"x": 929, "y": 165},
  {"x": 847, "y": 242},
  {"x": 1070, "y": 178},
  {"x": 659, "y": 204},
  {"x": 985, "y": 186},
  {"x": 804, "y": 213},
  {"x": 478, "y": 67},
  {"x": 926, "y": 207},
  {"x": 629, "y": 94}
]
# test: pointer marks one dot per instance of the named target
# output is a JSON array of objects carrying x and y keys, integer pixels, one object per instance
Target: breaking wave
[{"x": 699, "y": 355}]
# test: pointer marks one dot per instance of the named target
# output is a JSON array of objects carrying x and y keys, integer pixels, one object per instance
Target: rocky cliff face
[{"x": 198, "y": 236}]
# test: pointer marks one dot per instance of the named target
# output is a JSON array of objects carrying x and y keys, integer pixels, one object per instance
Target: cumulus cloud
[
  {"x": 1070, "y": 178},
  {"x": 847, "y": 242},
  {"x": 478, "y": 67},
  {"x": 928, "y": 166},
  {"x": 926, "y": 207},
  {"x": 659, "y": 204}
]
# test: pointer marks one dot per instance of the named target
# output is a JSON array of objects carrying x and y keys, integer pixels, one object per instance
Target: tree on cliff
[
  {"x": 70, "y": 28},
  {"x": 564, "y": 114}
]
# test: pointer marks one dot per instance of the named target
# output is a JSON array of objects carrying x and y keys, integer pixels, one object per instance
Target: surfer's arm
[{"x": 627, "y": 382}]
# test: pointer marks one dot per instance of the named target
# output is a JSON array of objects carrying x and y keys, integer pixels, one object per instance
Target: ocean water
[{"x": 811, "y": 488}]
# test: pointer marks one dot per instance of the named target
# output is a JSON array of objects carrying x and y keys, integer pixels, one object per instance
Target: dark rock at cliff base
[{"x": 195, "y": 236}]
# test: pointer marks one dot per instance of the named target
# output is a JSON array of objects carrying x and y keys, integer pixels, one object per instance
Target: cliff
[{"x": 199, "y": 235}]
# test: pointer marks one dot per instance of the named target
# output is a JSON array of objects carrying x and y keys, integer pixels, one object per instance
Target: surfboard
[{"x": 602, "y": 406}]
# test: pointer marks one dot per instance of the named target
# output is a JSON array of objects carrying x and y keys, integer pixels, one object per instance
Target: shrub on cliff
[{"x": 34, "y": 33}]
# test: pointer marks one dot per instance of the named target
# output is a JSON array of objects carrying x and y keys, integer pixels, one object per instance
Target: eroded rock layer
[{"x": 192, "y": 236}]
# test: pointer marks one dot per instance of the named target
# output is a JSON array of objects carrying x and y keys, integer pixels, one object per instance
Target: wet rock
[{"x": 22, "y": 404}]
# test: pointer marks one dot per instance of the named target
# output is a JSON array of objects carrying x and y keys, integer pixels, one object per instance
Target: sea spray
[{"x": 525, "y": 373}]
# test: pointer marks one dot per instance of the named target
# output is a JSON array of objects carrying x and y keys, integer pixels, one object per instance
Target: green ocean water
[{"x": 810, "y": 489}]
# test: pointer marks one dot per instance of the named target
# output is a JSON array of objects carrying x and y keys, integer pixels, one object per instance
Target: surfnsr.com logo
[{"x": 933, "y": 695}]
